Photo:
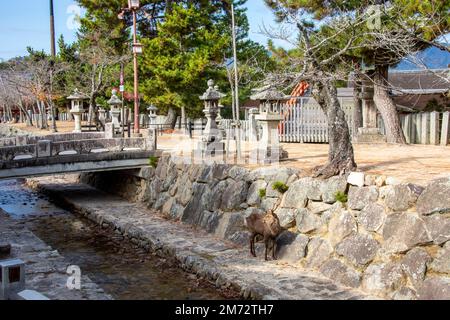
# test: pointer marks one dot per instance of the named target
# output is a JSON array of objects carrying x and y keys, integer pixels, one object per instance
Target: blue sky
[{"x": 26, "y": 23}]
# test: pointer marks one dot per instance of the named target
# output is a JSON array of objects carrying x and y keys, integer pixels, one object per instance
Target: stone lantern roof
[
  {"x": 114, "y": 101},
  {"x": 212, "y": 93},
  {"x": 152, "y": 108},
  {"x": 268, "y": 93},
  {"x": 77, "y": 95}
]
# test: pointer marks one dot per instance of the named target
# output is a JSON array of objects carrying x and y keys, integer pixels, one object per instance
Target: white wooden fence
[
  {"x": 424, "y": 127},
  {"x": 305, "y": 121}
]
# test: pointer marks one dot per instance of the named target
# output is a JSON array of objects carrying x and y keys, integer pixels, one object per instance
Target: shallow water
[{"x": 122, "y": 269}]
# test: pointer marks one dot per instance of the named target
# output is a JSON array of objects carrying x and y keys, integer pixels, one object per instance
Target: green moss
[
  {"x": 280, "y": 187},
  {"x": 341, "y": 197},
  {"x": 262, "y": 193},
  {"x": 153, "y": 161}
]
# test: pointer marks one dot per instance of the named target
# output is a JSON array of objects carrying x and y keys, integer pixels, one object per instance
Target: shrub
[
  {"x": 153, "y": 161},
  {"x": 262, "y": 193},
  {"x": 341, "y": 197},
  {"x": 280, "y": 187}
]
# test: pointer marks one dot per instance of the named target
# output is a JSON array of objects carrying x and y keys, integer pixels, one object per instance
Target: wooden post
[
  {"x": 425, "y": 128},
  {"x": 418, "y": 128},
  {"x": 445, "y": 128},
  {"x": 434, "y": 128},
  {"x": 407, "y": 128}
]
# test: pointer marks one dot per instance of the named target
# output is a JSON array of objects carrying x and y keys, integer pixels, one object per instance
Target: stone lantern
[
  {"x": 269, "y": 118},
  {"x": 211, "y": 139},
  {"x": 115, "y": 104},
  {"x": 152, "y": 114},
  {"x": 77, "y": 109},
  {"x": 369, "y": 132}
]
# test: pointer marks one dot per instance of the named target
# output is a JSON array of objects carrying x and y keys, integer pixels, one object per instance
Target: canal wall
[{"x": 386, "y": 239}]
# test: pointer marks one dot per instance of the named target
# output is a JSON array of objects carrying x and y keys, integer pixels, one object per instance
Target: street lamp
[{"x": 133, "y": 6}]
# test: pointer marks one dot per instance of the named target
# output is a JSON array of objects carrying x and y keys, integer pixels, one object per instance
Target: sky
[{"x": 26, "y": 23}]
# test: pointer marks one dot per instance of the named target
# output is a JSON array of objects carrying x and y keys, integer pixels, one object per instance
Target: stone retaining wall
[{"x": 387, "y": 240}]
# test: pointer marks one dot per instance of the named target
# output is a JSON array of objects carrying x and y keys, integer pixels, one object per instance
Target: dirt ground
[{"x": 410, "y": 163}]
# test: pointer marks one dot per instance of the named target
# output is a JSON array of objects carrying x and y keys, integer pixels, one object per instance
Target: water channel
[{"x": 122, "y": 269}]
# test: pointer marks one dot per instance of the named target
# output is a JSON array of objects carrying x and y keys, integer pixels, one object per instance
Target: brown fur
[{"x": 267, "y": 226}]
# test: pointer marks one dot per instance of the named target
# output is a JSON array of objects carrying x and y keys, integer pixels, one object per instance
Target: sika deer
[{"x": 268, "y": 226}]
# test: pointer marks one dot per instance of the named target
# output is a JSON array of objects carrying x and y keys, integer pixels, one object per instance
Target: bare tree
[
  {"x": 98, "y": 62},
  {"x": 317, "y": 60}
]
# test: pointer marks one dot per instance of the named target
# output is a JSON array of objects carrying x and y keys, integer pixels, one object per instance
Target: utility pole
[
  {"x": 236, "y": 89},
  {"x": 52, "y": 30},
  {"x": 53, "y": 53}
]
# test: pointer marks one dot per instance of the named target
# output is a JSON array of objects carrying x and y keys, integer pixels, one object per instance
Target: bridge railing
[
  {"x": 48, "y": 148},
  {"x": 27, "y": 140}
]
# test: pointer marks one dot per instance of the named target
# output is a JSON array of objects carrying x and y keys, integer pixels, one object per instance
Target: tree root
[{"x": 334, "y": 168}]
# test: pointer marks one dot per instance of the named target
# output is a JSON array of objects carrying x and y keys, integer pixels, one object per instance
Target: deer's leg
[
  {"x": 274, "y": 249},
  {"x": 252, "y": 245},
  {"x": 266, "y": 242}
]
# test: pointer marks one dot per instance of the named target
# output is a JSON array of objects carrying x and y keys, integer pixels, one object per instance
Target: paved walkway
[
  {"x": 45, "y": 269},
  {"x": 196, "y": 250}
]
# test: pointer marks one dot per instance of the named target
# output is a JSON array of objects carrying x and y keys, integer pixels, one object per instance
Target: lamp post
[{"x": 133, "y": 6}]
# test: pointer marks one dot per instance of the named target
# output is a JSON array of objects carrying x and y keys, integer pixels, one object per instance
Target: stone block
[
  {"x": 358, "y": 198},
  {"x": 330, "y": 187},
  {"x": 341, "y": 273},
  {"x": 287, "y": 217},
  {"x": 341, "y": 225},
  {"x": 441, "y": 263},
  {"x": 403, "y": 231},
  {"x": 359, "y": 249},
  {"x": 414, "y": 264},
  {"x": 291, "y": 246},
  {"x": 382, "y": 278},
  {"x": 253, "y": 197},
  {"x": 401, "y": 197},
  {"x": 306, "y": 221},
  {"x": 435, "y": 198},
  {"x": 356, "y": 179},
  {"x": 438, "y": 227},
  {"x": 435, "y": 288},
  {"x": 372, "y": 217},
  {"x": 319, "y": 250}
]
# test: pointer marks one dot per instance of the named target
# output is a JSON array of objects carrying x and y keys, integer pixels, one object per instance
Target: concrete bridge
[{"x": 28, "y": 156}]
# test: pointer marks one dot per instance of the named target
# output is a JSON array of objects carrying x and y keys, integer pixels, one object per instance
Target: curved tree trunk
[
  {"x": 341, "y": 159},
  {"x": 387, "y": 107},
  {"x": 171, "y": 118}
]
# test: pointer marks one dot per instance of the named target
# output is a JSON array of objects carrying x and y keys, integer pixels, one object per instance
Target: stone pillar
[
  {"x": 102, "y": 115},
  {"x": 369, "y": 133},
  {"x": 115, "y": 114},
  {"x": 77, "y": 119},
  {"x": 253, "y": 124}
]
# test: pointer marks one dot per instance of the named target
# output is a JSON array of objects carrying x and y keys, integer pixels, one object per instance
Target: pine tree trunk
[
  {"x": 341, "y": 158},
  {"x": 171, "y": 118},
  {"x": 387, "y": 107}
]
